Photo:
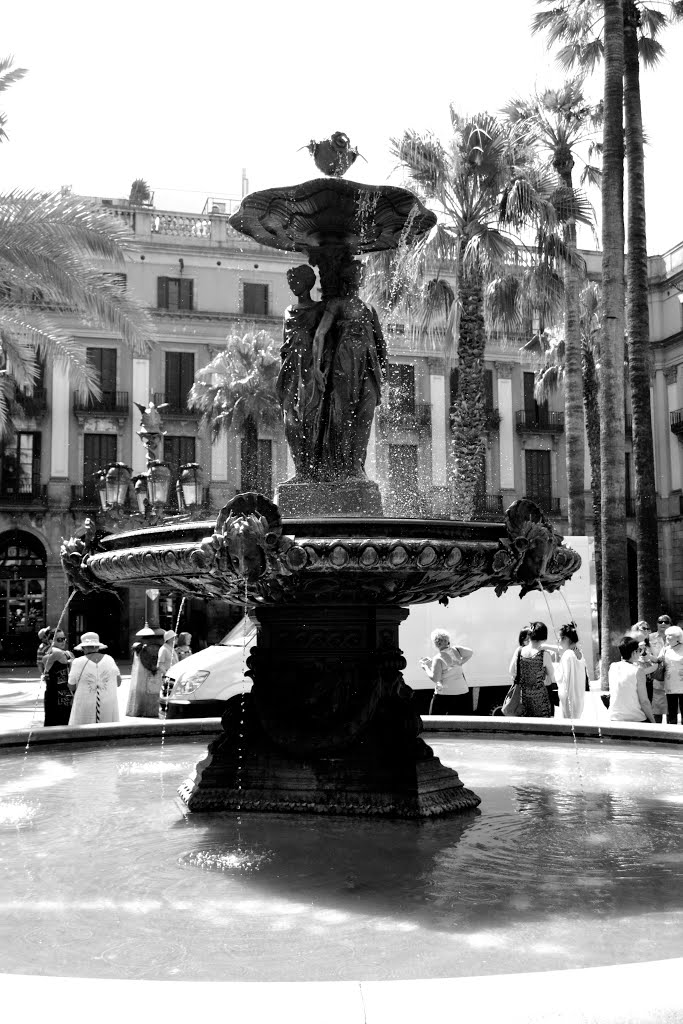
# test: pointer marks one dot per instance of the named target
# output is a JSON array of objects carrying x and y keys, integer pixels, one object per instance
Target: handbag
[
  {"x": 513, "y": 705},
  {"x": 659, "y": 672}
]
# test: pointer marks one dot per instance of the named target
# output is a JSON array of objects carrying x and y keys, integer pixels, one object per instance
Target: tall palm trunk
[
  {"x": 615, "y": 618},
  {"x": 592, "y": 413},
  {"x": 249, "y": 450},
  {"x": 573, "y": 396},
  {"x": 638, "y": 330},
  {"x": 468, "y": 416}
]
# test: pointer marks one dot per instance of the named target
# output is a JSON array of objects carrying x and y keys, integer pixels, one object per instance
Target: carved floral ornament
[{"x": 248, "y": 559}]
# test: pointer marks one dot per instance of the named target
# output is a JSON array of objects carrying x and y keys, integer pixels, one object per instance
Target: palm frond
[{"x": 650, "y": 51}]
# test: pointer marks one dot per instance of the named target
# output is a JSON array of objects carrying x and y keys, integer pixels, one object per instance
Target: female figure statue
[
  {"x": 294, "y": 384},
  {"x": 349, "y": 366}
]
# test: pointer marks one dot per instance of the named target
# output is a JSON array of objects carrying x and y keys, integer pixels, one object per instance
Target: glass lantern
[
  {"x": 101, "y": 487},
  {"x": 117, "y": 479},
  {"x": 191, "y": 484},
  {"x": 159, "y": 477},
  {"x": 140, "y": 486}
]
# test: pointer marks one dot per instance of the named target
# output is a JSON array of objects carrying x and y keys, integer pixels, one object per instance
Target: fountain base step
[
  {"x": 275, "y": 782},
  {"x": 304, "y": 499}
]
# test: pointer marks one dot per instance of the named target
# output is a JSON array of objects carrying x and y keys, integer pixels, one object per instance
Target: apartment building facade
[{"x": 203, "y": 281}]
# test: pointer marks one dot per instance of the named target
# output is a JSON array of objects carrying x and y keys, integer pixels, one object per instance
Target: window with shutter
[
  {"x": 254, "y": 299},
  {"x": 99, "y": 450},
  {"x": 179, "y": 379},
  {"x": 175, "y": 293},
  {"x": 401, "y": 380}
]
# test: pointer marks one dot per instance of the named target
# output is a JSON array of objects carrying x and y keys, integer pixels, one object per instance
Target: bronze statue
[
  {"x": 335, "y": 155},
  {"x": 349, "y": 367},
  {"x": 295, "y": 388},
  {"x": 151, "y": 432}
]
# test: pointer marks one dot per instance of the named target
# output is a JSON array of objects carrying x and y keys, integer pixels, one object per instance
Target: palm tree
[
  {"x": 140, "y": 193},
  {"x": 486, "y": 190},
  {"x": 578, "y": 24},
  {"x": 559, "y": 120},
  {"x": 58, "y": 252},
  {"x": 551, "y": 377},
  {"x": 611, "y": 393},
  {"x": 236, "y": 390}
]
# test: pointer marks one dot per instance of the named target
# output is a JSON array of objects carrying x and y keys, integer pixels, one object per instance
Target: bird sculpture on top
[{"x": 333, "y": 156}]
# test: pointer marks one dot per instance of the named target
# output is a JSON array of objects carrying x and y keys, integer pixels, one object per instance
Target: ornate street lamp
[
  {"x": 158, "y": 483},
  {"x": 101, "y": 486},
  {"x": 140, "y": 488},
  {"x": 117, "y": 479},
  {"x": 191, "y": 485}
]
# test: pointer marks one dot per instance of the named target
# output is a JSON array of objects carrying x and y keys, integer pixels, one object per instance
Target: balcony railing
[
  {"x": 116, "y": 402},
  {"x": 405, "y": 417},
  {"x": 676, "y": 421},
  {"x": 32, "y": 406},
  {"x": 34, "y": 494},
  {"x": 545, "y": 502},
  {"x": 176, "y": 407},
  {"x": 489, "y": 506},
  {"x": 539, "y": 422}
]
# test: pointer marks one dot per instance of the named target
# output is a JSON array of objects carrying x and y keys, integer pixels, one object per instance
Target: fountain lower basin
[{"x": 574, "y": 862}]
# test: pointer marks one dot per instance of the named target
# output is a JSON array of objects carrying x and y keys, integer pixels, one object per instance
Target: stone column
[
  {"x": 141, "y": 395},
  {"x": 60, "y": 410},
  {"x": 507, "y": 426},
  {"x": 437, "y": 391},
  {"x": 663, "y": 434},
  {"x": 670, "y": 377}
]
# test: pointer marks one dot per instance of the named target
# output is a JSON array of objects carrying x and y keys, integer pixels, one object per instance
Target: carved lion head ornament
[{"x": 248, "y": 540}]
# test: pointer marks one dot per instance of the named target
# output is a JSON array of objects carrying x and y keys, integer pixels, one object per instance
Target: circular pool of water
[{"x": 574, "y": 859}]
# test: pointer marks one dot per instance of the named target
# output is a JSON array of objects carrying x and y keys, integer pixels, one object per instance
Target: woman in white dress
[
  {"x": 572, "y": 684},
  {"x": 93, "y": 679}
]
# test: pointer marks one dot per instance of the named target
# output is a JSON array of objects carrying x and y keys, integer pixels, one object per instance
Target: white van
[
  {"x": 202, "y": 684},
  {"x": 490, "y": 625}
]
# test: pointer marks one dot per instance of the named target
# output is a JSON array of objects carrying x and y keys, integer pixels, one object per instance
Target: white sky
[{"x": 185, "y": 95}]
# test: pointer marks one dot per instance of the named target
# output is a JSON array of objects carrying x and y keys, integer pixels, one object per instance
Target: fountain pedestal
[
  {"x": 329, "y": 725},
  {"x": 304, "y": 499}
]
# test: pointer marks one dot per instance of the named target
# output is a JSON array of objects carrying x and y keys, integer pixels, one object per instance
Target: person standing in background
[
  {"x": 672, "y": 656},
  {"x": 94, "y": 679},
  {"x": 451, "y": 693},
  {"x": 58, "y": 698},
  {"x": 658, "y": 639},
  {"x": 183, "y": 649},
  {"x": 573, "y": 671}
]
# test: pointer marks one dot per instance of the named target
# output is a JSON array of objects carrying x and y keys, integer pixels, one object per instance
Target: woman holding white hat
[
  {"x": 94, "y": 678},
  {"x": 672, "y": 657}
]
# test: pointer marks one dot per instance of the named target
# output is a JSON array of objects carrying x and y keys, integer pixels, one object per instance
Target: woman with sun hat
[{"x": 93, "y": 679}]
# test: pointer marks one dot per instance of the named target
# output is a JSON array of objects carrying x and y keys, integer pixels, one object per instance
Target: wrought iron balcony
[
  {"x": 176, "y": 406},
  {"x": 545, "y": 503},
  {"x": 32, "y": 406},
  {"x": 676, "y": 422},
  {"x": 30, "y": 495},
  {"x": 112, "y": 402},
  {"x": 489, "y": 506},
  {"x": 405, "y": 417},
  {"x": 539, "y": 422}
]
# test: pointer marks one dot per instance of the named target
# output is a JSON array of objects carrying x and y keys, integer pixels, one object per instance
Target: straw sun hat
[{"x": 90, "y": 640}]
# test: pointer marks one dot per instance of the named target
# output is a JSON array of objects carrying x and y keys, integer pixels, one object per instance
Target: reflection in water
[{"x": 560, "y": 867}]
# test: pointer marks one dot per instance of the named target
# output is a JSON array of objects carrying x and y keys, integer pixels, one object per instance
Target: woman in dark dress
[
  {"x": 535, "y": 673},
  {"x": 58, "y": 697}
]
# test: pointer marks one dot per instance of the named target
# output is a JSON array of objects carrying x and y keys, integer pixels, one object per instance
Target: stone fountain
[{"x": 328, "y": 726}]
